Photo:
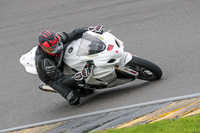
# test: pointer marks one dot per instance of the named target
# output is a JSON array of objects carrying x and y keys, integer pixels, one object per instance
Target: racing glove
[
  {"x": 87, "y": 69},
  {"x": 85, "y": 72},
  {"x": 97, "y": 29},
  {"x": 78, "y": 76}
]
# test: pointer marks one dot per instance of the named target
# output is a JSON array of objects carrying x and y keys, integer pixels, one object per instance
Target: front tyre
[{"x": 146, "y": 69}]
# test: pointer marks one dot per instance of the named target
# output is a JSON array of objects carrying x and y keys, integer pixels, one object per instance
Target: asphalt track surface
[{"x": 165, "y": 32}]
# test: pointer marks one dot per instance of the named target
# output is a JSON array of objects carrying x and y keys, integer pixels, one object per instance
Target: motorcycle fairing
[
  {"x": 104, "y": 58},
  {"x": 28, "y": 61}
]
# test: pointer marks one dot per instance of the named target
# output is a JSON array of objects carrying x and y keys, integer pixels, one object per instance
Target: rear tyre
[{"x": 146, "y": 69}]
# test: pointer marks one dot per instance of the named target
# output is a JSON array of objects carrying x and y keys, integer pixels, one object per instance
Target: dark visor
[{"x": 56, "y": 49}]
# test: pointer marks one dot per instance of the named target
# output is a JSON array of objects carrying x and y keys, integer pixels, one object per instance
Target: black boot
[{"x": 84, "y": 92}]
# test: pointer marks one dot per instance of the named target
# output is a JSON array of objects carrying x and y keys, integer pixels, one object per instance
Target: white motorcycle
[{"x": 113, "y": 65}]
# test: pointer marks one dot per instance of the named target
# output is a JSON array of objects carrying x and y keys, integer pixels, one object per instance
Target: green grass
[{"x": 182, "y": 125}]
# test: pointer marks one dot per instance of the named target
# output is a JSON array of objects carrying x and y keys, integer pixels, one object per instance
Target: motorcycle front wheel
[{"x": 146, "y": 69}]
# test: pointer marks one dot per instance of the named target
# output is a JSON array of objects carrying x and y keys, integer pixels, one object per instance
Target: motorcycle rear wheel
[{"x": 146, "y": 69}]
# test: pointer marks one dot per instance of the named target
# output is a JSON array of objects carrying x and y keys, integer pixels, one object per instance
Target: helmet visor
[{"x": 56, "y": 49}]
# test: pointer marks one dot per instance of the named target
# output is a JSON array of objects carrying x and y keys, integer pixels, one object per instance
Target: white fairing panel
[
  {"x": 101, "y": 59},
  {"x": 112, "y": 53},
  {"x": 70, "y": 57},
  {"x": 28, "y": 61}
]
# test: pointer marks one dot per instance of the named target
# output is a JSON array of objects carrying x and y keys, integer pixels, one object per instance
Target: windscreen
[{"x": 90, "y": 45}]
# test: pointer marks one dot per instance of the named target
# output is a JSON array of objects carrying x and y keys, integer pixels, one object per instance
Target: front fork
[{"x": 127, "y": 57}]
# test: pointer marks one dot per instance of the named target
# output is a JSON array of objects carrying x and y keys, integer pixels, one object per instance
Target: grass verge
[{"x": 182, "y": 125}]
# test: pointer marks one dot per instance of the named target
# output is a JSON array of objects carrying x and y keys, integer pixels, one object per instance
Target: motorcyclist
[{"x": 49, "y": 61}]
